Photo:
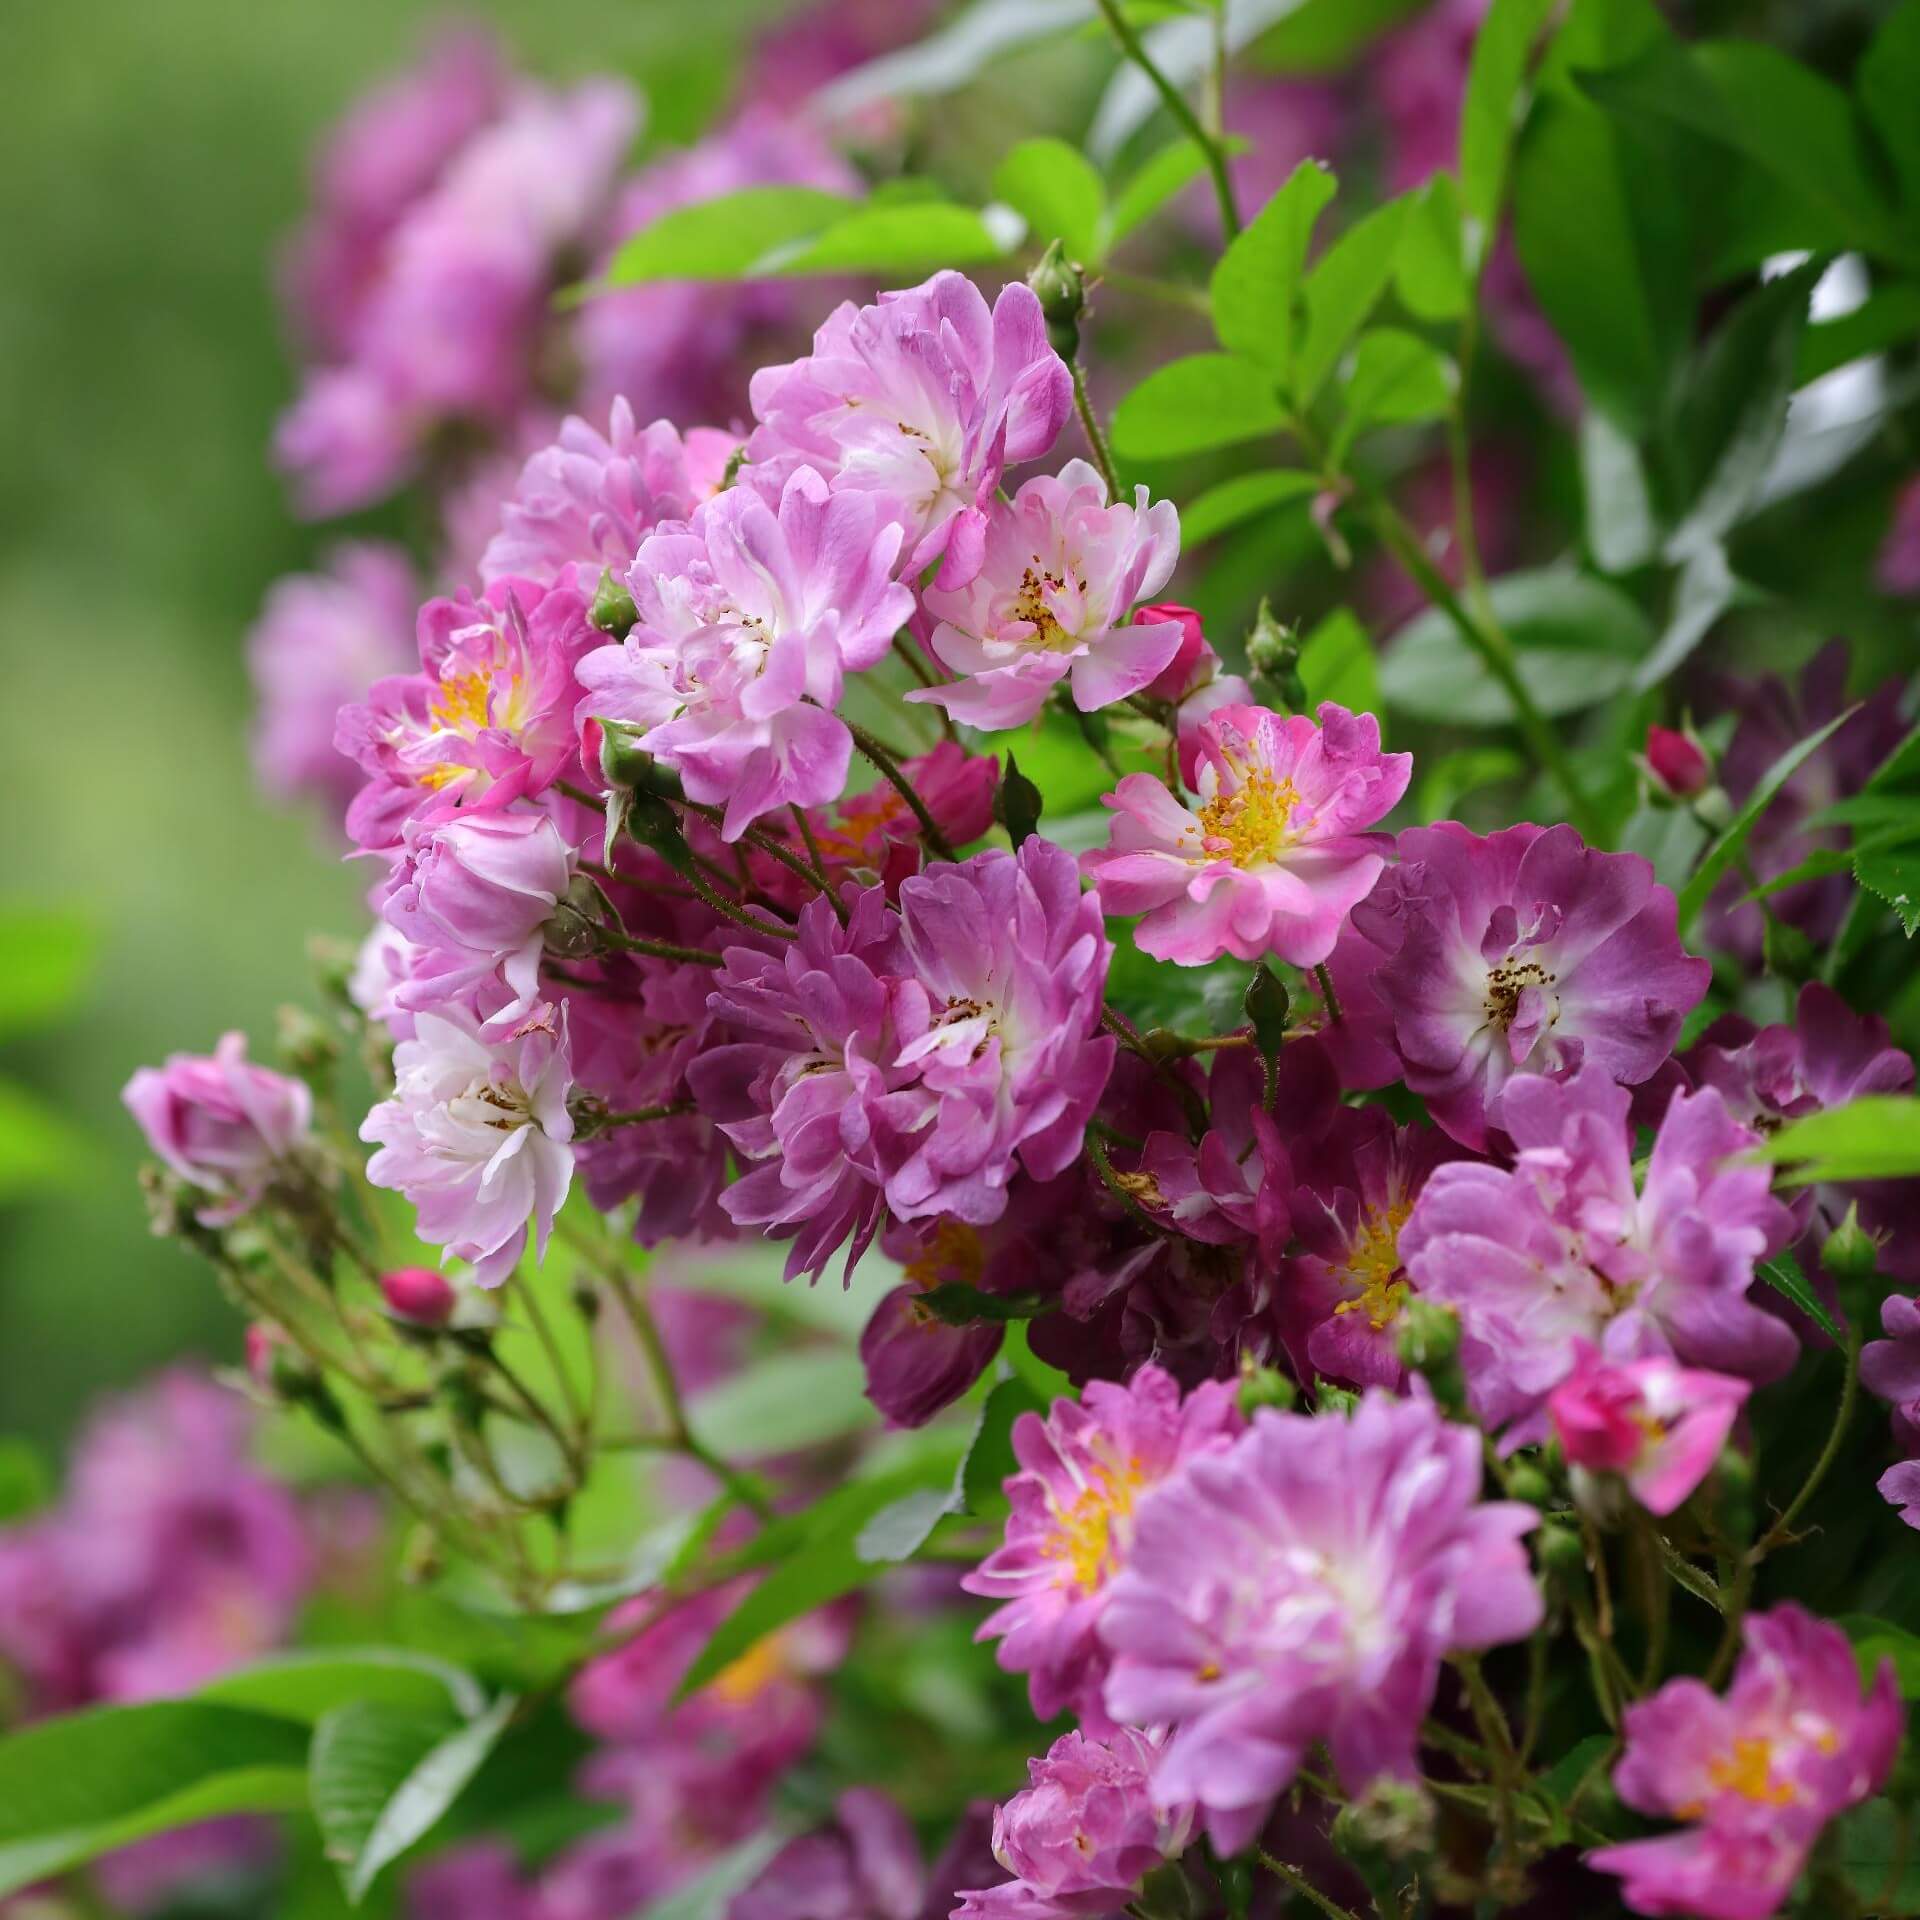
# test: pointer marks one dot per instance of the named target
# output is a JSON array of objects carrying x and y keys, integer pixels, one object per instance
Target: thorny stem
[
  {"x": 1097, "y": 1153},
  {"x": 1327, "y": 994},
  {"x": 733, "y": 911},
  {"x": 1090, "y": 426},
  {"x": 1176, "y": 104},
  {"x": 1298, "y": 1881},
  {"x": 660, "y": 949},
  {"x": 639, "y": 1116},
  {"x": 937, "y": 843},
  {"x": 815, "y": 875}
]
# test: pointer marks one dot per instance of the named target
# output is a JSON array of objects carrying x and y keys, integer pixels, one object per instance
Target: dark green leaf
[
  {"x": 1397, "y": 377},
  {"x": 1732, "y": 842},
  {"x": 1873, "y": 1138},
  {"x": 721, "y": 239},
  {"x": 1893, "y": 872},
  {"x": 1317, "y": 36},
  {"x": 1879, "y": 1854},
  {"x": 1887, "y": 81},
  {"x": 1576, "y": 642},
  {"x": 1337, "y": 663},
  {"x": 1430, "y": 274},
  {"x": 1018, "y": 804},
  {"x": 1888, "y": 317},
  {"x": 1492, "y": 111},
  {"x": 1256, "y": 287},
  {"x": 990, "y": 1459},
  {"x": 1241, "y": 498},
  {"x": 1783, "y": 1275},
  {"x": 1342, "y": 290},
  {"x": 74, "y": 1788},
  {"x": 45, "y": 957},
  {"x": 1188, "y": 406},
  {"x": 960, "y": 1305},
  {"x": 1055, "y": 188}
]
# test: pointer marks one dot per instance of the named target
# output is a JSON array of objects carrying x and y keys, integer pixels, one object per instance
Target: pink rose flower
[
  {"x": 1059, "y": 574},
  {"x": 221, "y": 1123},
  {"x": 1272, "y": 856},
  {"x": 1194, "y": 664},
  {"x": 1678, "y": 763}
]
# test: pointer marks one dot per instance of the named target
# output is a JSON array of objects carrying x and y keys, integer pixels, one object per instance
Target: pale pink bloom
[
  {"x": 1274, "y": 853},
  {"x": 1051, "y": 600},
  {"x": 924, "y": 398},
  {"x": 1658, "y": 1425},
  {"x": 477, "y": 1136},
  {"x": 750, "y": 618}
]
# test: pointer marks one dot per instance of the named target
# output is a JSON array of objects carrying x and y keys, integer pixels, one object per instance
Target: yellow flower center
[
  {"x": 1031, "y": 604},
  {"x": 952, "y": 1257},
  {"x": 1748, "y": 1771},
  {"x": 461, "y": 704},
  {"x": 1254, "y": 821},
  {"x": 746, "y": 1678},
  {"x": 1373, "y": 1265},
  {"x": 1084, "y": 1532}
]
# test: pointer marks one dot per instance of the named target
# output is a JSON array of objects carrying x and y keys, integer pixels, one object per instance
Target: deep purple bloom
[
  {"x": 1890, "y": 1369},
  {"x": 1083, "y": 1472},
  {"x": 1304, "y": 1585},
  {"x": 221, "y": 1123},
  {"x": 1756, "y": 1773},
  {"x": 917, "y": 1363},
  {"x": 925, "y": 399},
  {"x": 1562, "y": 1249},
  {"x": 1522, "y": 953},
  {"x": 1083, "y": 1834},
  {"x": 863, "y": 1865}
]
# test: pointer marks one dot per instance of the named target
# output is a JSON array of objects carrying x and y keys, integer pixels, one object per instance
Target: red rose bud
[
  {"x": 1678, "y": 763},
  {"x": 1196, "y": 662},
  {"x": 419, "y": 1295}
]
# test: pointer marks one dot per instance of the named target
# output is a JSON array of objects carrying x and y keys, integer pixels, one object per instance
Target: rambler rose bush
[{"x": 1163, "y": 1075}]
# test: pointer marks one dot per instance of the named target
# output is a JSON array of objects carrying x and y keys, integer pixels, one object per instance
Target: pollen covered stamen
[
  {"x": 1254, "y": 823},
  {"x": 1508, "y": 981},
  {"x": 1091, "y": 1534},
  {"x": 1373, "y": 1265}
]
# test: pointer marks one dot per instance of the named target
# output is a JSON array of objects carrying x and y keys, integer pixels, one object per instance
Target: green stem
[
  {"x": 1327, "y": 994},
  {"x": 733, "y": 911},
  {"x": 1842, "y": 1419},
  {"x": 1090, "y": 426},
  {"x": 1298, "y": 1881},
  {"x": 936, "y": 841},
  {"x": 1176, "y": 104},
  {"x": 660, "y": 949}
]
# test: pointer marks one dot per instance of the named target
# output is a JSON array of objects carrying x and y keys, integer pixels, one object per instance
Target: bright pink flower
[
  {"x": 1678, "y": 763},
  {"x": 1657, "y": 1425},
  {"x": 476, "y": 1135},
  {"x": 1525, "y": 952},
  {"x": 321, "y": 642},
  {"x": 1562, "y": 1249},
  {"x": 1304, "y": 1585},
  {"x": 1083, "y": 1834},
  {"x": 923, "y": 398},
  {"x": 221, "y": 1123},
  {"x": 583, "y": 504},
  {"x": 749, "y": 620},
  {"x": 1756, "y": 1773},
  {"x": 418, "y": 1295},
  {"x": 1898, "y": 568},
  {"x": 863, "y": 1865},
  {"x": 1274, "y": 853},
  {"x": 472, "y": 895},
  {"x": 1083, "y": 1472},
  {"x": 1194, "y": 664},
  {"x": 486, "y": 721},
  {"x": 1057, "y": 578}
]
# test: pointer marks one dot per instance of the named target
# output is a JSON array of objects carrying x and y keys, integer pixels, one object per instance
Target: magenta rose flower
[
  {"x": 1525, "y": 952},
  {"x": 1060, "y": 572},
  {"x": 1561, "y": 1248},
  {"x": 1083, "y": 1472},
  {"x": 1083, "y": 1834},
  {"x": 1657, "y": 1425},
  {"x": 1273, "y": 853},
  {"x": 925, "y": 399},
  {"x": 1755, "y": 1773},
  {"x": 916, "y": 1363},
  {"x": 223, "y": 1124},
  {"x": 1304, "y": 1585},
  {"x": 750, "y": 617},
  {"x": 476, "y": 1135}
]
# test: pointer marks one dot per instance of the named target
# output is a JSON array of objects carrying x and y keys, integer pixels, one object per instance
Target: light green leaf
[
  {"x": 1317, "y": 36},
  {"x": 1170, "y": 170},
  {"x": 1206, "y": 400},
  {"x": 1430, "y": 274},
  {"x": 1342, "y": 290},
  {"x": 26, "y": 1481},
  {"x": 1877, "y": 1640},
  {"x": 1887, "y": 82},
  {"x": 721, "y": 239},
  {"x": 38, "y": 1147},
  {"x": 74, "y": 1788},
  {"x": 1622, "y": 532},
  {"x": 893, "y": 239},
  {"x": 1055, "y": 188},
  {"x": 1397, "y": 377},
  {"x": 1893, "y": 872},
  {"x": 1241, "y": 498},
  {"x": 1576, "y": 642},
  {"x": 1873, "y": 1138},
  {"x": 45, "y": 957},
  {"x": 784, "y": 1403},
  {"x": 1784, "y": 1276},
  {"x": 305, "y": 1686},
  {"x": 1337, "y": 663},
  {"x": 1492, "y": 112},
  {"x": 1728, "y": 848},
  {"x": 1256, "y": 286}
]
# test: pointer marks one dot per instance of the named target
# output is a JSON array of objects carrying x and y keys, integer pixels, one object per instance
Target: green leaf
[
  {"x": 1733, "y": 409},
  {"x": 1256, "y": 287},
  {"x": 38, "y": 1147},
  {"x": 46, "y": 955},
  {"x": 784, "y": 1403},
  {"x": 915, "y": 238},
  {"x": 709, "y": 1894},
  {"x": 1189, "y": 406},
  {"x": 26, "y": 1482},
  {"x": 1576, "y": 641},
  {"x": 1397, "y": 377},
  {"x": 1707, "y": 587},
  {"x": 721, "y": 239},
  {"x": 1784, "y": 1276},
  {"x": 1056, "y": 189},
  {"x": 1622, "y": 532},
  {"x": 1879, "y": 1855},
  {"x": 1316, "y": 36},
  {"x": 1893, "y": 872},
  {"x": 1732, "y": 841},
  {"x": 1429, "y": 273},
  {"x": 1887, "y": 82},
  {"x": 74, "y": 1788},
  {"x": 1888, "y": 317},
  {"x": 1337, "y": 663},
  {"x": 1446, "y": 781},
  {"x": 306, "y": 1686},
  {"x": 1878, "y": 1640},
  {"x": 1491, "y": 114},
  {"x": 1343, "y": 289},
  {"x": 1873, "y": 1138},
  {"x": 1171, "y": 169},
  {"x": 1241, "y": 498}
]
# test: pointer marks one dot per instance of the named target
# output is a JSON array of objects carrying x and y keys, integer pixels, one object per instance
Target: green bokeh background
[{"x": 154, "y": 157}]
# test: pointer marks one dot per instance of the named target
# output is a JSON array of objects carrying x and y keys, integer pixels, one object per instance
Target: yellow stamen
[
  {"x": 1373, "y": 1265},
  {"x": 1748, "y": 1771},
  {"x": 1255, "y": 820},
  {"x": 462, "y": 704},
  {"x": 1084, "y": 1532}
]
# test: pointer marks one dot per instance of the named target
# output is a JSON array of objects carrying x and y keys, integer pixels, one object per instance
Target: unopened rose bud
[
  {"x": 1526, "y": 1482},
  {"x": 1327, "y": 1398},
  {"x": 1677, "y": 763},
  {"x": 572, "y": 930},
  {"x": 624, "y": 762},
  {"x": 418, "y": 1295},
  {"x": 1265, "y": 1387},
  {"x": 1392, "y": 1817},
  {"x": 1850, "y": 1252},
  {"x": 1193, "y": 666},
  {"x": 613, "y": 610},
  {"x": 1563, "y": 1554},
  {"x": 1061, "y": 290},
  {"x": 1273, "y": 655},
  {"x": 1429, "y": 1335}
]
